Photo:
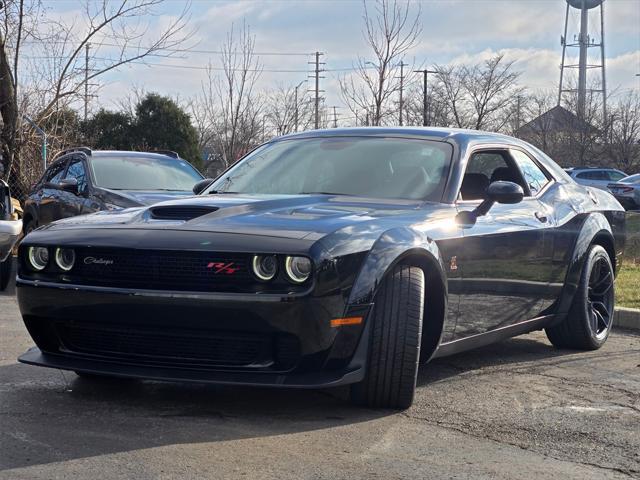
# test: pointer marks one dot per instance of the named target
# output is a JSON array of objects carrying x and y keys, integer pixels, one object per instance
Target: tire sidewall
[{"x": 596, "y": 252}]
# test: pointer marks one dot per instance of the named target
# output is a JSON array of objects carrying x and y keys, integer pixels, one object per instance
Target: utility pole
[
  {"x": 317, "y": 77},
  {"x": 295, "y": 101},
  {"x": 402, "y": 65},
  {"x": 425, "y": 97},
  {"x": 86, "y": 79},
  {"x": 335, "y": 117}
]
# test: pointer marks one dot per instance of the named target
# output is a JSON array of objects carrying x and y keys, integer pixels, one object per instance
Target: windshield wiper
[{"x": 220, "y": 192}]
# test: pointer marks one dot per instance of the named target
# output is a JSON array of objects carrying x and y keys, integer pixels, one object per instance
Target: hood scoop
[{"x": 180, "y": 212}]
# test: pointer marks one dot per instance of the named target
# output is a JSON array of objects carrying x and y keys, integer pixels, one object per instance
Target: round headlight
[
  {"x": 298, "y": 269},
  {"x": 38, "y": 257},
  {"x": 265, "y": 267},
  {"x": 65, "y": 258}
]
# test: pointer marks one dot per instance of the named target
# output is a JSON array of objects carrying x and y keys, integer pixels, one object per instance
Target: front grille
[
  {"x": 163, "y": 270},
  {"x": 180, "y": 212},
  {"x": 165, "y": 345}
]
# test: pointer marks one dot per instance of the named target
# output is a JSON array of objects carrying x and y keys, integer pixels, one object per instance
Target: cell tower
[{"x": 583, "y": 41}]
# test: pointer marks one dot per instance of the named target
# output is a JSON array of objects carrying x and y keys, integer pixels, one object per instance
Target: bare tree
[
  {"x": 480, "y": 97},
  {"x": 231, "y": 104},
  {"x": 288, "y": 109},
  {"x": 65, "y": 58},
  {"x": 390, "y": 31},
  {"x": 623, "y": 146}
]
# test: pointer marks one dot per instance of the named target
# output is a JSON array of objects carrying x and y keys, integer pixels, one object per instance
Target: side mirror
[
  {"x": 69, "y": 185},
  {"x": 498, "y": 192},
  {"x": 202, "y": 185}
]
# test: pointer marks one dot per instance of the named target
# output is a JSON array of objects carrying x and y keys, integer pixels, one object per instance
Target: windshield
[
  {"x": 143, "y": 173},
  {"x": 360, "y": 166}
]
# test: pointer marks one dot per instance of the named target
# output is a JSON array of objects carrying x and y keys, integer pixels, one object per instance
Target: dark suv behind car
[{"x": 81, "y": 181}]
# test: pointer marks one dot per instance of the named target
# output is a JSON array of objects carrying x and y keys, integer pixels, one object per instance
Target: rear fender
[{"x": 595, "y": 226}]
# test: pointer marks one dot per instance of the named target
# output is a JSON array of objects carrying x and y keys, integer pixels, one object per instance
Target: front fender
[{"x": 390, "y": 249}]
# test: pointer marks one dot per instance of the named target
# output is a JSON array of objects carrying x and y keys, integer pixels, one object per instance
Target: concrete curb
[{"x": 628, "y": 318}]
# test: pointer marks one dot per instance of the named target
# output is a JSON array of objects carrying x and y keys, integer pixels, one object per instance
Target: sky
[{"x": 453, "y": 31}]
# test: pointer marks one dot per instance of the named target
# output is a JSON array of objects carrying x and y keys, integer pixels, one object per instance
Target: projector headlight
[
  {"x": 65, "y": 258},
  {"x": 265, "y": 267},
  {"x": 298, "y": 269},
  {"x": 38, "y": 258}
]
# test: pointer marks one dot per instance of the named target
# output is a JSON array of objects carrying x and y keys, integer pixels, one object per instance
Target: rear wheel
[
  {"x": 590, "y": 318},
  {"x": 394, "y": 349}
]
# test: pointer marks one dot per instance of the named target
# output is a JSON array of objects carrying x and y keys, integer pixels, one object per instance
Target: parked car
[
  {"x": 82, "y": 181},
  {"x": 324, "y": 258},
  {"x": 595, "y": 177},
  {"x": 10, "y": 229},
  {"x": 627, "y": 191}
]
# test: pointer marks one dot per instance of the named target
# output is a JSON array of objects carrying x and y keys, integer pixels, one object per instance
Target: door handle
[{"x": 541, "y": 217}]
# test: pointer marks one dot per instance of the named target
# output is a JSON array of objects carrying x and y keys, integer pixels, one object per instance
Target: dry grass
[{"x": 628, "y": 281}]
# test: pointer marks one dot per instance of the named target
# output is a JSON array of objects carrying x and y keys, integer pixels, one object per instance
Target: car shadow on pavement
[
  {"x": 51, "y": 416},
  {"x": 517, "y": 350}
]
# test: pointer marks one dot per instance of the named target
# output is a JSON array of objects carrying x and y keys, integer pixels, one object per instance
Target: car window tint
[
  {"x": 593, "y": 175},
  {"x": 615, "y": 176},
  {"x": 143, "y": 173},
  {"x": 361, "y": 166},
  {"x": 533, "y": 175},
  {"x": 483, "y": 169},
  {"x": 76, "y": 170},
  {"x": 55, "y": 173}
]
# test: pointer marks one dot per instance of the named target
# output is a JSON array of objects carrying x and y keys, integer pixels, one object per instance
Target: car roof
[
  {"x": 129, "y": 153},
  {"x": 89, "y": 153},
  {"x": 579, "y": 169},
  {"x": 430, "y": 133}
]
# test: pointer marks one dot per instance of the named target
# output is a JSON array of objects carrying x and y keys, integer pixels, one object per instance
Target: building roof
[{"x": 557, "y": 119}]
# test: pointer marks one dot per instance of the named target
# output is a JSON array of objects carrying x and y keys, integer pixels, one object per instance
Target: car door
[
  {"x": 506, "y": 268},
  {"x": 72, "y": 204},
  {"x": 47, "y": 198}
]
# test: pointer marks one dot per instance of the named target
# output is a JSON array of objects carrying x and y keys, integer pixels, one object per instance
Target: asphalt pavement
[{"x": 515, "y": 410}]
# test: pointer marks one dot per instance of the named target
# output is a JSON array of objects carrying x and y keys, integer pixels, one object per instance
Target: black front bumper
[{"x": 244, "y": 339}]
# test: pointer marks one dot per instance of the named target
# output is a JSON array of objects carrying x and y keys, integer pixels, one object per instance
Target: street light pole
[{"x": 425, "y": 98}]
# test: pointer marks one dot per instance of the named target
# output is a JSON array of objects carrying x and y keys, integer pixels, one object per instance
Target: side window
[
  {"x": 55, "y": 173},
  {"x": 76, "y": 170},
  {"x": 483, "y": 169},
  {"x": 533, "y": 174},
  {"x": 615, "y": 176},
  {"x": 590, "y": 175}
]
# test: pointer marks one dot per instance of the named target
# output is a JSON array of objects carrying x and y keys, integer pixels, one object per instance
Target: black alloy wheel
[{"x": 590, "y": 318}]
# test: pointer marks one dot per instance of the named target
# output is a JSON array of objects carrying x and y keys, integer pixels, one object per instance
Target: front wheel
[
  {"x": 590, "y": 317},
  {"x": 5, "y": 272},
  {"x": 394, "y": 349}
]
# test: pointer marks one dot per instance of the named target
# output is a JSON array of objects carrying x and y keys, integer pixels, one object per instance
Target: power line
[{"x": 175, "y": 50}]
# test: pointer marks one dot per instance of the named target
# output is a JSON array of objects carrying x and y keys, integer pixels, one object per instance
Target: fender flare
[
  {"x": 594, "y": 225},
  {"x": 391, "y": 248}
]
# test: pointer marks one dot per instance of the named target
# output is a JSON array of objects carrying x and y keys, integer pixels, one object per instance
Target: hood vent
[{"x": 175, "y": 212}]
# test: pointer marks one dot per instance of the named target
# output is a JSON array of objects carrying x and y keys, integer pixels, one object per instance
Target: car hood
[{"x": 309, "y": 217}]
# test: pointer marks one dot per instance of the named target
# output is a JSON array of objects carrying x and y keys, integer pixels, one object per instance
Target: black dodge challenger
[{"x": 346, "y": 256}]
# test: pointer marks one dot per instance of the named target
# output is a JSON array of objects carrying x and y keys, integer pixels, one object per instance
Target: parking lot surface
[{"x": 517, "y": 409}]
